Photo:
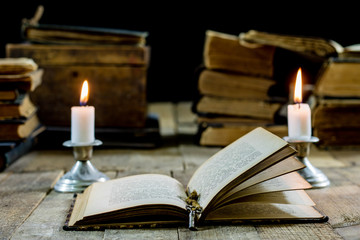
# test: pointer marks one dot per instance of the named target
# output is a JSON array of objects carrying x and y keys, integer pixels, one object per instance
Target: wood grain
[
  {"x": 297, "y": 231},
  {"x": 220, "y": 233}
]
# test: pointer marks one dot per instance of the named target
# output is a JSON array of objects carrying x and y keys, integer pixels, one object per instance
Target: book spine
[{"x": 18, "y": 151}]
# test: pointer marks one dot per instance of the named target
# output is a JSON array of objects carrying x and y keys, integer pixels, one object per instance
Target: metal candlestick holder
[
  {"x": 313, "y": 175},
  {"x": 83, "y": 173}
]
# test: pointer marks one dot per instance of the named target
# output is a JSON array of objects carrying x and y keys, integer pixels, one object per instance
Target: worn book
[
  {"x": 64, "y": 55},
  {"x": 10, "y": 151},
  {"x": 336, "y": 122},
  {"x": 252, "y": 179},
  {"x": 224, "y": 133},
  {"x": 21, "y": 108},
  {"x": 116, "y": 71},
  {"x": 18, "y": 129},
  {"x": 339, "y": 77},
  {"x": 225, "y": 84},
  {"x": 61, "y": 34},
  {"x": 9, "y": 95},
  {"x": 33, "y": 31},
  {"x": 237, "y": 107},
  {"x": 19, "y": 65},
  {"x": 310, "y": 45},
  {"x": 21, "y": 82},
  {"x": 225, "y": 52}
]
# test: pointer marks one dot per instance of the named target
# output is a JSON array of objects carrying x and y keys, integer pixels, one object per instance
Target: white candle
[
  {"x": 299, "y": 114},
  {"x": 83, "y": 120}
]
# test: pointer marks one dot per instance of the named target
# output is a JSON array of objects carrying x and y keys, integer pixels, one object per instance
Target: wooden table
[{"x": 31, "y": 209}]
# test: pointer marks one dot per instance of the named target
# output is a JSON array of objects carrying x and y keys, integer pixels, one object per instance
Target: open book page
[
  {"x": 287, "y": 165},
  {"x": 132, "y": 191},
  {"x": 289, "y": 181},
  {"x": 299, "y": 197},
  {"x": 227, "y": 164},
  {"x": 246, "y": 211}
]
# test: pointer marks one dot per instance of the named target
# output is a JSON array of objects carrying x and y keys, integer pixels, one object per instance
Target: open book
[{"x": 252, "y": 179}]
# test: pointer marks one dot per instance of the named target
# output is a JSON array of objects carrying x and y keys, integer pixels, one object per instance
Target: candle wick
[{"x": 298, "y": 105}]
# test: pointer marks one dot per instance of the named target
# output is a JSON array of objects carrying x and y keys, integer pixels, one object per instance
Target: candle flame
[
  {"x": 298, "y": 88},
  {"x": 84, "y": 97}
]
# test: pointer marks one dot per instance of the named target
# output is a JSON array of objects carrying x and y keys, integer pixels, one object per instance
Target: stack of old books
[
  {"x": 336, "y": 116},
  {"x": 19, "y": 123},
  {"x": 336, "y": 105},
  {"x": 115, "y": 63},
  {"x": 234, "y": 89}
]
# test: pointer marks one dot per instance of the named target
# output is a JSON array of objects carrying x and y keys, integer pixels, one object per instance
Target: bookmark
[{"x": 193, "y": 208}]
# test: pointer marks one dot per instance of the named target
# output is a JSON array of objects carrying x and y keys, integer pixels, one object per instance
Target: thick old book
[
  {"x": 338, "y": 138},
  {"x": 253, "y": 179},
  {"x": 345, "y": 111},
  {"x": 33, "y": 31},
  {"x": 65, "y": 55},
  {"x": 339, "y": 77},
  {"x": 225, "y": 52},
  {"x": 336, "y": 122},
  {"x": 309, "y": 45},
  {"x": 12, "y": 130},
  {"x": 10, "y": 151},
  {"x": 9, "y": 95},
  {"x": 21, "y": 82},
  {"x": 237, "y": 107},
  {"x": 223, "y": 134},
  {"x": 116, "y": 71},
  {"x": 225, "y": 84},
  {"x": 21, "y": 108},
  {"x": 20, "y": 65},
  {"x": 62, "y": 34}
]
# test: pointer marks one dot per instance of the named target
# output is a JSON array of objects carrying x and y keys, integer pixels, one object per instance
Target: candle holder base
[
  {"x": 313, "y": 175},
  {"x": 83, "y": 173}
]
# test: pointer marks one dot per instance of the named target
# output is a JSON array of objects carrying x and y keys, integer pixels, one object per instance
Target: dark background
[{"x": 177, "y": 29}]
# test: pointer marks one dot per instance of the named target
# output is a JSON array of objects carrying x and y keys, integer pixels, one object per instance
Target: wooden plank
[
  {"x": 220, "y": 232},
  {"x": 47, "y": 220},
  {"x": 46, "y": 160},
  {"x": 350, "y": 173},
  {"x": 339, "y": 203},
  {"x": 348, "y": 157},
  {"x": 335, "y": 177},
  {"x": 15, "y": 209},
  {"x": 159, "y": 233},
  {"x": 349, "y": 233},
  {"x": 323, "y": 159},
  {"x": 20, "y": 194},
  {"x": 297, "y": 231},
  {"x": 123, "y": 160},
  {"x": 34, "y": 181},
  {"x": 3, "y": 176},
  {"x": 162, "y": 159}
]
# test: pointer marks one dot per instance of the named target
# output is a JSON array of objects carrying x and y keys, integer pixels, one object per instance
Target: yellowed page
[
  {"x": 299, "y": 197},
  {"x": 289, "y": 181},
  {"x": 248, "y": 211},
  {"x": 132, "y": 191},
  {"x": 288, "y": 165},
  {"x": 227, "y": 164}
]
